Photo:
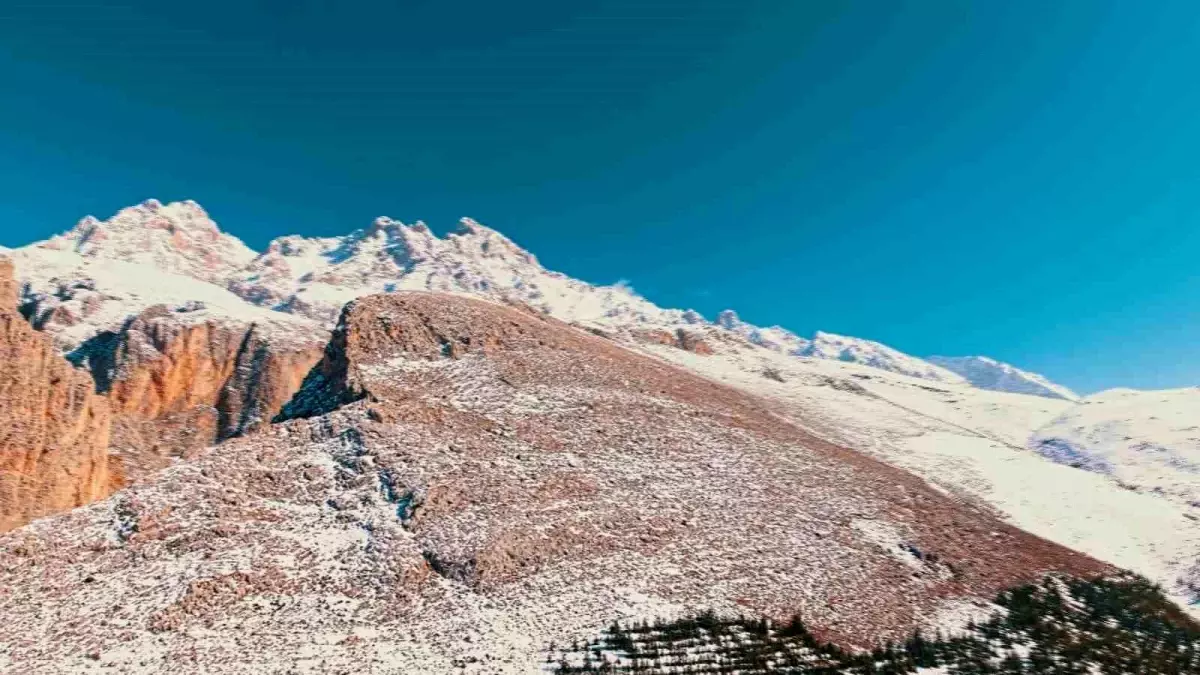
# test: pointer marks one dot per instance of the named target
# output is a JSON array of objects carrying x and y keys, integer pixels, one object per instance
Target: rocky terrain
[
  {"x": 459, "y": 482},
  {"x": 54, "y": 428}
]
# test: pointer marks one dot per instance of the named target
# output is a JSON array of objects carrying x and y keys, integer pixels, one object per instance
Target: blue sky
[{"x": 1017, "y": 179}]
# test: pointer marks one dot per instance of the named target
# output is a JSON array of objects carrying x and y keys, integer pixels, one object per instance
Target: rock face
[
  {"x": 177, "y": 385},
  {"x": 54, "y": 428},
  {"x": 493, "y": 480}
]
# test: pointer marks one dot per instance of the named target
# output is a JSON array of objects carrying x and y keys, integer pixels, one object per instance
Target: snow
[
  {"x": 1146, "y": 440},
  {"x": 94, "y": 294},
  {"x": 178, "y": 237},
  {"x": 987, "y": 373},
  {"x": 856, "y": 350}
]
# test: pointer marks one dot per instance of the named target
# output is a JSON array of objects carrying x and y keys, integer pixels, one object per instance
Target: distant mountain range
[{"x": 314, "y": 277}]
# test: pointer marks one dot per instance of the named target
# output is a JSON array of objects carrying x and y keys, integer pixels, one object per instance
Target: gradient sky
[{"x": 1017, "y": 179}]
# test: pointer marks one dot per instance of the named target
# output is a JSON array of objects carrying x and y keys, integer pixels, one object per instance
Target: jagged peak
[
  {"x": 315, "y": 276},
  {"x": 149, "y": 218},
  {"x": 177, "y": 237}
]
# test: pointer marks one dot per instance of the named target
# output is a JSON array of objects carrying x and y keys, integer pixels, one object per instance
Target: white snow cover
[
  {"x": 868, "y": 353},
  {"x": 987, "y": 373},
  {"x": 1147, "y": 440},
  {"x": 89, "y": 294},
  {"x": 178, "y": 237}
]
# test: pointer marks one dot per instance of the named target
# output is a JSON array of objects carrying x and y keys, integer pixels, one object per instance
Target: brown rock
[
  {"x": 494, "y": 468},
  {"x": 177, "y": 386},
  {"x": 9, "y": 287},
  {"x": 692, "y": 342},
  {"x": 681, "y": 339},
  {"x": 54, "y": 428}
]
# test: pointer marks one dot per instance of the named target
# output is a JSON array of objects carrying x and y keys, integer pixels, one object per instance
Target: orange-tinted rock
[
  {"x": 681, "y": 339},
  {"x": 8, "y": 286},
  {"x": 177, "y": 386},
  {"x": 54, "y": 428}
]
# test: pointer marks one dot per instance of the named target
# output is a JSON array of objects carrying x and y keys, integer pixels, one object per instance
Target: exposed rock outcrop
[
  {"x": 686, "y": 340},
  {"x": 54, "y": 428},
  {"x": 9, "y": 287},
  {"x": 177, "y": 385}
]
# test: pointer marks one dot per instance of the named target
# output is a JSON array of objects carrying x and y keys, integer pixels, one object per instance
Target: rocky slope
[
  {"x": 178, "y": 384},
  {"x": 492, "y": 480},
  {"x": 89, "y": 285},
  {"x": 983, "y": 445},
  {"x": 54, "y": 428}
]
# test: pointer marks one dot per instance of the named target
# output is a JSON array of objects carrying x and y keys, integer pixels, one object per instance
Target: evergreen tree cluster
[{"x": 1060, "y": 626}]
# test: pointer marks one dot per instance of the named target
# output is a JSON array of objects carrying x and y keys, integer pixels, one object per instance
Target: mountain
[
  {"x": 987, "y": 373},
  {"x": 179, "y": 237},
  {"x": 401, "y": 451},
  {"x": 460, "y": 483},
  {"x": 143, "y": 254}
]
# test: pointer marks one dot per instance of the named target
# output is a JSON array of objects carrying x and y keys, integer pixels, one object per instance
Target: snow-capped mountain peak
[
  {"x": 987, "y": 373},
  {"x": 177, "y": 237},
  {"x": 313, "y": 277}
]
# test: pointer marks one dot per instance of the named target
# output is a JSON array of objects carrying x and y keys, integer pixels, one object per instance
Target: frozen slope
[
  {"x": 868, "y": 353},
  {"x": 1147, "y": 440},
  {"x": 971, "y": 442},
  {"x": 75, "y": 296}
]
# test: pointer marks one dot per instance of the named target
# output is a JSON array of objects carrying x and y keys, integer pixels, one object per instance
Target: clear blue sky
[{"x": 1018, "y": 179}]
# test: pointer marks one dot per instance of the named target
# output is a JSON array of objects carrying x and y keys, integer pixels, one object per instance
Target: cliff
[{"x": 54, "y": 428}]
